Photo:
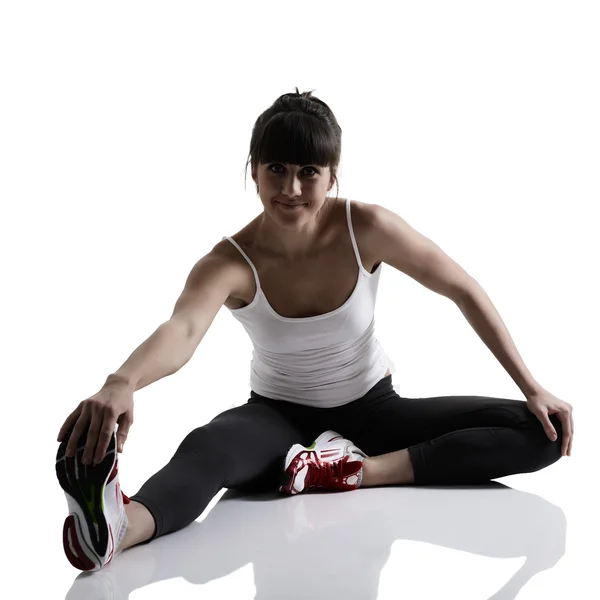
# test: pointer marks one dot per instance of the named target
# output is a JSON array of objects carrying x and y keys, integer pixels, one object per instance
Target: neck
[{"x": 297, "y": 241}]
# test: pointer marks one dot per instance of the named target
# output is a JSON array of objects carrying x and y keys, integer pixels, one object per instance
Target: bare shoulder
[
  {"x": 365, "y": 218},
  {"x": 223, "y": 250},
  {"x": 363, "y": 213},
  {"x": 230, "y": 259}
]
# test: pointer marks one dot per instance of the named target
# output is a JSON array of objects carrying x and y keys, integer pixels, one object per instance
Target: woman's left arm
[
  {"x": 391, "y": 239},
  {"x": 479, "y": 311}
]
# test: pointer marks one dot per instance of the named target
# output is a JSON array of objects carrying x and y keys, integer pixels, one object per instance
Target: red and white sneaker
[
  {"x": 330, "y": 462},
  {"x": 97, "y": 521}
]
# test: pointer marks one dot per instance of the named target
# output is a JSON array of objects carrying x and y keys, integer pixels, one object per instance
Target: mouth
[{"x": 292, "y": 206}]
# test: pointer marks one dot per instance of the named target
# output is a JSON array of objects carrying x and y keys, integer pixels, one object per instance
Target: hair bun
[{"x": 306, "y": 95}]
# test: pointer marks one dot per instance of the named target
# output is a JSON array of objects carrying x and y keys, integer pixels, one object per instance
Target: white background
[{"x": 124, "y": 133}]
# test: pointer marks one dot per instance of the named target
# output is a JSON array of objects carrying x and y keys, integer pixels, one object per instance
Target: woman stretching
[{"x": 302, "y": 280}]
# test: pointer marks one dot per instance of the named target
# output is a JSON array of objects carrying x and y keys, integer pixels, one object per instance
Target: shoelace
[{"x": 326, "y": 471}]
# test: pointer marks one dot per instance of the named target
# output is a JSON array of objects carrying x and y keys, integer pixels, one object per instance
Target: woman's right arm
[{"x": 210, "y": 282}]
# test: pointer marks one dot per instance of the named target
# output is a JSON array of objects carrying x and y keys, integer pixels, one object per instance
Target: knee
[
  {"x": 533, "y": 423},
  {"x": 548, "y": 451},
  {"x": 193, "y": 442},
  {"x": 200, "y": 443},
  {"x": 552, "y": 449},
  {"x": 557, "y": 423}
]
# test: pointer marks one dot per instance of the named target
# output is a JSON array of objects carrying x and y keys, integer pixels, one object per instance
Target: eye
[{"x": 312, "y": 174}]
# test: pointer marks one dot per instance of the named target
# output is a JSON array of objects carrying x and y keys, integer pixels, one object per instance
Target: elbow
[{"x": 466, "y": 292}]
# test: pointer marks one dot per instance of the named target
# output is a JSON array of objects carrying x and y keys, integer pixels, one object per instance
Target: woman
[{"x": 322, "y": 412}]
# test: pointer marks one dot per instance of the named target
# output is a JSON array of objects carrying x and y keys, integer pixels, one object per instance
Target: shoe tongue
[{"x": 126, "y": 500}]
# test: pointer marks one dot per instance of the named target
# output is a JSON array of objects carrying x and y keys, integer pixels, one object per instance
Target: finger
[
  {"x": 92, "y": 436},
  {"x": 78, "y": 429},
  {"x": 70, "y": 420},
  {"x": 572, "y": 434},
  {"x": 108, "y": 428},
  {"x": 125, "y": 423},
  {"x": 566, "y": 427},
  {"x": 548, "y": 427}
]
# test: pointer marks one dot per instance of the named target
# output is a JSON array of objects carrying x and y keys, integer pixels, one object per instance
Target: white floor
[{"x": 529, "y": 536}]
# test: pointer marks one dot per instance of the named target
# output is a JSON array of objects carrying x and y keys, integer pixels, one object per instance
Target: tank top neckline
[{"x": 259, "y": 291}]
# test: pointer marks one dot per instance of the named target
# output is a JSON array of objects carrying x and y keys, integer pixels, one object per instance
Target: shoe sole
[{"x": 85, "y": 484}]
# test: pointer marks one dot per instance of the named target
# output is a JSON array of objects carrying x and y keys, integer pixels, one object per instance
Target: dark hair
[{"x": 297, "y": 129}]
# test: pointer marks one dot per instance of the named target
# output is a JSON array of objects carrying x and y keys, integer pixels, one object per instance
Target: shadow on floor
[{"x": 346, "y": 537}]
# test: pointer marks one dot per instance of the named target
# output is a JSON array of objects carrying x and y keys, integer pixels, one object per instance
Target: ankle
[
  {"x": 367, "y": 478},
  {"x": 388, "y": 469},
  {"x": 140, "y": 525}
]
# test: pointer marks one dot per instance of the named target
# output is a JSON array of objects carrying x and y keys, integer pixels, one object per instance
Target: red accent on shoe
[
  {"x": 330, "y": 453},
  {"x": 73, "y": 550},
  {"x": 331, "y": 475},
  {"x": 113, "y": 473},
  {"x": 118, "y": 491}
]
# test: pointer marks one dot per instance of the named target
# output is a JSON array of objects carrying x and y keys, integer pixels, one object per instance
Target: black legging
[{"x": 451, "y": 440}]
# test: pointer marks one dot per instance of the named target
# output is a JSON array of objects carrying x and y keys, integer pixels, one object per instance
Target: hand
[
  {"x": 543, "y": 404},
  {"x": 98, "y": 415}
]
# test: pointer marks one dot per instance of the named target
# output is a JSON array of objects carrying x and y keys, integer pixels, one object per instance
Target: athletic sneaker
[
  {"x": 330, "y": 462},
  {"x": 97, "y": 521}
]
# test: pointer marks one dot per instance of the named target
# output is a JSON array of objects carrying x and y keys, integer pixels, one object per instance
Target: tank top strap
[
  {"x": 352, "y": 236},
  {"x": 225, "y": 237}
]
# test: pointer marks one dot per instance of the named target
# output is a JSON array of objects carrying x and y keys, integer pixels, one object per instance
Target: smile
[{"x": 292, "y": 206}]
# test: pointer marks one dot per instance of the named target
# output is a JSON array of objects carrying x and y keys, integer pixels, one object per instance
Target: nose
[{"x": 292, "y": 186}]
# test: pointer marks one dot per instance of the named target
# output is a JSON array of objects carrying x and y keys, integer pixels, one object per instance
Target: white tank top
[{"x": 323, "y": 361}]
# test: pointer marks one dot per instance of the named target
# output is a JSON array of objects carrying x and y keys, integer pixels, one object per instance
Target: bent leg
[
  {"x": 454, "y": 439},
  {"x": 479, "y": 454},
  {"x": 242, "y": 448}
]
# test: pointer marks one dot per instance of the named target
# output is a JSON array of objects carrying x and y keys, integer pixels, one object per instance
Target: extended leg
[{"x": 239, "y": 447}]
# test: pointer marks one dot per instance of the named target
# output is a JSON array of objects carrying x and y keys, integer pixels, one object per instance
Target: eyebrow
[{"x": 275, "y": 162}]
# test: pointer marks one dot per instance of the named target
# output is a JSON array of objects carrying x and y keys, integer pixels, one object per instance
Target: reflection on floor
[{"x": 335, "y": 545}]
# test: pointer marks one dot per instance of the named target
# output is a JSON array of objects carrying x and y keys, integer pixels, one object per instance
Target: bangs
[{"x": 296, "y": 138}]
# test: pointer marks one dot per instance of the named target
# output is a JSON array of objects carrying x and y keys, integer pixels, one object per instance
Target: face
[{"x": 304, "y": 187}]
